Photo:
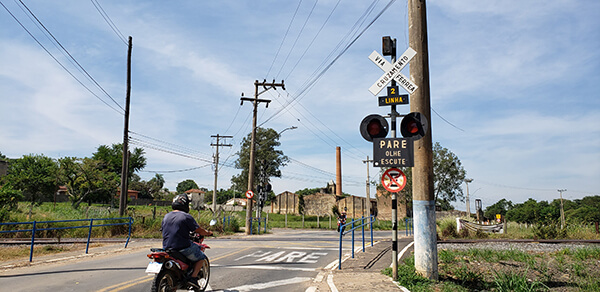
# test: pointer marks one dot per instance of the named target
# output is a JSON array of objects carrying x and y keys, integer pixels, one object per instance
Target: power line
[
  {"x": 70, "y": 56},
  {"x": 59, "y": 63},
  {"x": 109, "y": 21},
  {"x": 283, "y": 40},
  {"x": 296, "y": 40}
]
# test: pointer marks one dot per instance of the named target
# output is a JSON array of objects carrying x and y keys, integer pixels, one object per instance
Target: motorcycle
[
  {"x": 340, "y": 223},
  {"x": 173, "y": 269}
]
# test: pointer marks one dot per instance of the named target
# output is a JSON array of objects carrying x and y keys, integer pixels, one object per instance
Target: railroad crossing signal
[
  {"x": 374, "y": 126},
  {"x": 392, "y": 71}
]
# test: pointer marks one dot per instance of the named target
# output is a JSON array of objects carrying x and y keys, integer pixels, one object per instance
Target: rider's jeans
[{"x": 193, "y": 252}]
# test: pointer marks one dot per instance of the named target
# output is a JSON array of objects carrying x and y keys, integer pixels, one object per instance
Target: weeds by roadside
[{"x": 508, "y": 270}]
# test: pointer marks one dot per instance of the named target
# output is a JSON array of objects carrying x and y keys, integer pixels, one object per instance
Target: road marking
[
  {"x": 259, "y": 267},
  {"x": 283, "y": 256},
  {"x": 331, "y": 284},
  {"x": 262, "y": 286},
  {"x": 125, "y": 285},
  {"x": 229, "y": 254}
]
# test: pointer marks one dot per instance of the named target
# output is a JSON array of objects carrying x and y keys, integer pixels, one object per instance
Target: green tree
[
  {"x": 35, "y": 176},
  {"x": 186, "y": 185},
  {"x": 148, "y": 189},
  {"x": 112, "y": 158},
  {"x": 500, "y": 207},
  {"x": 268, "y": 160},
  {"x": 9, "y": 199},
  {"x": 86, "y": 180},
  {"x": 448, "y": 175}
]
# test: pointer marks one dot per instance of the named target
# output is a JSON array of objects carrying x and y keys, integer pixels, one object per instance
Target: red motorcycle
[{"x": 173, "y": 269}]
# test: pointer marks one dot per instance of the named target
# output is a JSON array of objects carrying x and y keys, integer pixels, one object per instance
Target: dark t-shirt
[{"x": 176, "y": 227}]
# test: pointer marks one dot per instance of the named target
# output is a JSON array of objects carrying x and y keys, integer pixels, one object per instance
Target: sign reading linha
[
  {"x": 393, "y": 152},
  {"x": 393, "y": 97}
]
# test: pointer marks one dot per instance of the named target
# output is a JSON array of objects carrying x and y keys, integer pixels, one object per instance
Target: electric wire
[
  {"x": 283, "y": 40},
  {"x": 58, "y": 62},
  {"x": 313, "y": 40},
  {"x": 304, "y": 89},
  {"x": 71, "y": 56},
  {"x": 297, "y": 38},
  {"x": 109, "y": 21}
]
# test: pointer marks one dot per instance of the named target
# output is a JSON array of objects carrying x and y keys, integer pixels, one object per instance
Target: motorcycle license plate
[{"x": 153, "y": 268}]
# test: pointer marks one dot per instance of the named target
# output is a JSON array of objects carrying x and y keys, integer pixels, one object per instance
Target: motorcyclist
[
  {"x": 176, "y": 228},
  {"x": 342, "y": 221}
]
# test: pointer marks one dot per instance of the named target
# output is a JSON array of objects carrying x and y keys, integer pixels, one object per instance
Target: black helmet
[{"x": 181, "y": 203}]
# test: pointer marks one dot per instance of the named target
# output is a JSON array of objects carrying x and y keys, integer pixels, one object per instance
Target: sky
[{"x": 514, "y": 87}]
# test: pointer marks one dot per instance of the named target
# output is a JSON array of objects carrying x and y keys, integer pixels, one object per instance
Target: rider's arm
[{"x": 203, "y": 231}]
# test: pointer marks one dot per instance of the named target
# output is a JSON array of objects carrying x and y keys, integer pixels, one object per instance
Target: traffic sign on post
[
  {"x": 392, "y": 71},
  {"x": 249, "y": 194},
  {"x": 393, "y": 152},
  {"x": 393, "y": 180}
]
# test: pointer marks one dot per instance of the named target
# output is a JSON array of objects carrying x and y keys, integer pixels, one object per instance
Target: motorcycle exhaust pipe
[{"x": 171, "y": 265}]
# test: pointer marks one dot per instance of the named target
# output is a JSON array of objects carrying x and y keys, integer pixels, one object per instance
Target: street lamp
[
  {"x": 289, "y": 128},
  {"x": 467, "y": 181}
]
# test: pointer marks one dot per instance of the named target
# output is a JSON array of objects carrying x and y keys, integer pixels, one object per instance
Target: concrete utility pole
[
  {"x": 125, "y": 165},
  {"x": 423, "y": 198},
  {"x": 216, "y": 159},
  {"x": 368, "y": 187},
  {"x": 562, "y": 209},
  {"x": 255, "y": 101},
  {"x": 468, "y": 181}
]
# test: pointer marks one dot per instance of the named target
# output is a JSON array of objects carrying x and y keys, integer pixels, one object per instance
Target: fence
[
  {"x": 362, "y": 226},
  {"x": 34, "y": 228},
  {"x": 259, "y": 220},
  {"x": 410, "y": 229}
]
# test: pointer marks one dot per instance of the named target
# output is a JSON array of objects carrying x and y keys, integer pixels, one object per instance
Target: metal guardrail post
[
  {"x": 32, "y": 241},
  {"x": 265, "y": 225},
  {"x": 352, "y": 237},
  {"x": 340, "y": 257},
  {"x": 362, "y": 225},
  {"x": 89, "y": 235},
  {"x": 129, "y": 234}
]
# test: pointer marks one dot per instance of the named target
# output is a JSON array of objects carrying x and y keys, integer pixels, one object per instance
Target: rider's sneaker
[{"x": 193, "y": 282}]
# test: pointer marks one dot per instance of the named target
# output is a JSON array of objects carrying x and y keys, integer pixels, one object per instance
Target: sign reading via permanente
[{"x": 393, "y": 152}]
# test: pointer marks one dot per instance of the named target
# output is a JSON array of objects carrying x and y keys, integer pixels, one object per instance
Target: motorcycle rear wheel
[
  {"x": 165, "y": 281},
  {"x": 203, "y": 276}
]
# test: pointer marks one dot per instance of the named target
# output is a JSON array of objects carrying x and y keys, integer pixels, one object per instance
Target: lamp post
[
  {"x": 289, "y": 128},
  {"x": 467, "y": 181}
]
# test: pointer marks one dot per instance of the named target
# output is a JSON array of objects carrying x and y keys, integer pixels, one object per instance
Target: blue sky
[{"x": 514, "y": 86}]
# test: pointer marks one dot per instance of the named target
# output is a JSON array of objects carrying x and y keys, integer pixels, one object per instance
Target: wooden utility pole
[
  {"x": 255, "y": 101},
  {"x": 125, "y": 165},
  {"x": 423, "y": 197},
  {"x": 216, "y": 159}
]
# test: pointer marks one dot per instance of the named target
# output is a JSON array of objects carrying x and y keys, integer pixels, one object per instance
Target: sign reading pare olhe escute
[{"x": 393, "y": 152}]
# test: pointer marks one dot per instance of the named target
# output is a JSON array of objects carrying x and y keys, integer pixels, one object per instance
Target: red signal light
[{"x": 373, "y": 126}]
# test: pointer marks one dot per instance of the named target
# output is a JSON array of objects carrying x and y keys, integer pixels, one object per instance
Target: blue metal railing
[
  {"x": 259, "y": 220},
  {"x": 354, "y": 227},
  {"x": 410, "y": 229},
  {"x": 34, "y": 228}
]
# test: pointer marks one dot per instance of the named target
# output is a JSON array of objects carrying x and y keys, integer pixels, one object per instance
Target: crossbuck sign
[{"x": 392, "y": 71}]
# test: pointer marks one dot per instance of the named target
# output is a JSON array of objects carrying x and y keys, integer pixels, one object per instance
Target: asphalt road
[{"x": 287, "y": 260}]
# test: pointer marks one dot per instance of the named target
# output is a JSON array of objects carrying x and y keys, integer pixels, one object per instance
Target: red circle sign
[
  {"x": 393, "y": 180},
  {"x": 249, "y": 194}
]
